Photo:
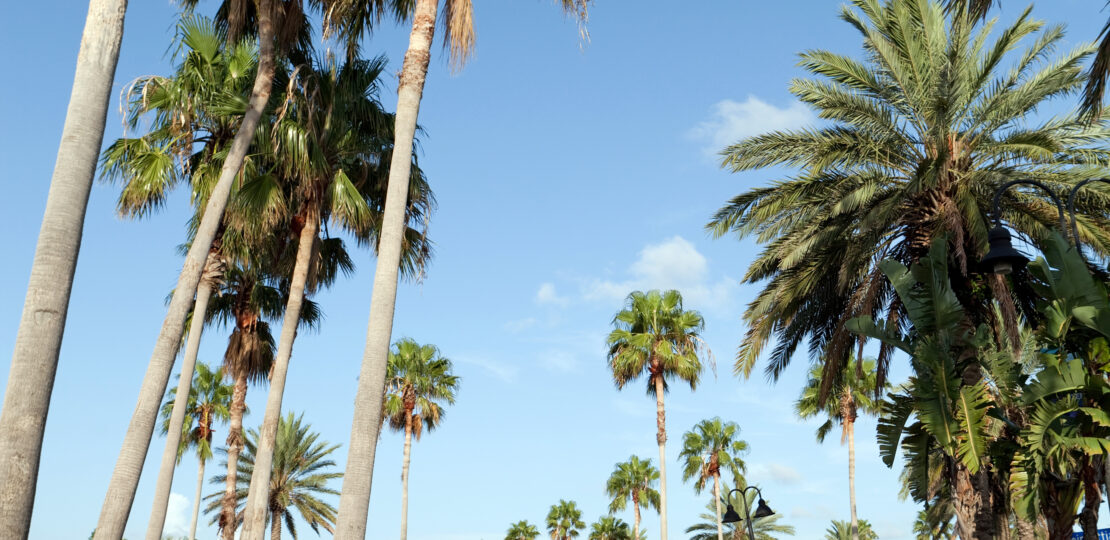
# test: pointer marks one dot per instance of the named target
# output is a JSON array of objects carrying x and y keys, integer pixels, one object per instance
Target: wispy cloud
[
  {"x": 560, "y": 361},
  {"x": 548, "y": 295},
  {"x": 520, "y": 325},
  {"x": 504, "y": 372},
  {"x": 177, "y": 516},
  {"x": 732, "y": 120},
  {"x": 777, "y": 473}
]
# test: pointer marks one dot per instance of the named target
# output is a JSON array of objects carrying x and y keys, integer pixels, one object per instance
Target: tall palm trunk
[
  {"x": 254, "y": 515},
  {"x": 636, "y": 516},
  {"x": 180, "y": 403},
  {"x": 850, "y": 433},
  {"x": 717, "y": 499},
  {"x": 125, "y": 476},
  {"x": 354, "y": 501},
  {"x": 661, "y": 438},
  {"x": 228, "y": 520},
  {"x": 275, "y": 525},
  {"x": 405, "y": 475},
  {"x": 196, "y": 502},
  {"x": 39, "y": 340}
]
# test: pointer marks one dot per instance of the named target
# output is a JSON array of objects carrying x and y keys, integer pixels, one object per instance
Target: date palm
[
  {"x": 852, "y": 392},
  {"x": 209, "y": 402},
  {"x": 659, "y": 339},
  {"x": 419, "y": 383},
  {"x": 39, "y": 339},
  {"x": 302, "y": 469},
  {"x": 522, "y": 530},
  {"x": 633, "y": 481},
  {"x": 765, "y": 528},
  {"x": 564, "y": 520},
  {"x": 919, "y": 135},
  {"x": 707, "y": 448},
  {"x": 351, "y": 19},
  {"x": 846, "y": 530},
  {"x": 609, "y": 528}
]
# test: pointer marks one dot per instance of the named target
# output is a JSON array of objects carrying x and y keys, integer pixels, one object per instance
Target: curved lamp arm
[
  {"x": 997, "y": 209},
  {"x": 1071, "y": 204}
]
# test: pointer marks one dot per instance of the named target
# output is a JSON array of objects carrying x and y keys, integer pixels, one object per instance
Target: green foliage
[
  {"x": 842, "y": 530},
  {"x": 710, "y": 446},
  {"x": 852, "y": 391},
  {"x": 610, "y": 528},
  {"x": 564, "y": 521},
  {"x": 766, "y": 528},
  {"x": 419, "y": 383},
  {"x": 655, "y": 336},
  {"x": 209, "y": 402},
  {"x": 633, "y": 481},
  {"x": 522, "y": 530}
]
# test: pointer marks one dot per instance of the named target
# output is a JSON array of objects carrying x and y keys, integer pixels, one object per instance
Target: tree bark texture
[
  {"x": 717, "y": 499},
  {"x": 636, "y": 515},
  {"x": 275, "y": 525},
  {"x": 661, "y": 438},
  {"x": 228, "y": 521},
  {"x": 1092, "y": 497},
  {"x": 129, "y": 466},
  {"x": 850, "y": 430},
  {"x": 39, "y": 339},
  {"x": 196, "y": 502},
  {"x": 354, "y": 501},
  {"x": 405, "y": 476}
]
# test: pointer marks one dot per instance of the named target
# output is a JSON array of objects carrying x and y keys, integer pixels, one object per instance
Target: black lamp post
[
  {"x": 1002, "y": 257},
  {"x": 761, "y": 509}
]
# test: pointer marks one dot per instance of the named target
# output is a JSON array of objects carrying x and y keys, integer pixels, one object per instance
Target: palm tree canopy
[
  {"x": 633, "y": 480},
  {"x": 564, "y": 520},
  {"x": 842, "y": 530},
  {"x": 712, "y": 445},
  {"x": 209, "y": 402},
  {"x": 301, "y": 472},
  {"x": 916, "y": 138},
  {"x": 766, "y": 528},
  {"x": 522, "y": 530},
  {"x": 853, "y": 391},
  {"x": 418, "y": 382},
  {"x": 610, "y": 528},
  {"x": 655, "y": 335}
]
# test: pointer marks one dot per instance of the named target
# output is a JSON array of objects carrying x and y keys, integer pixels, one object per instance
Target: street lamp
[
  {"x": 1002, "y": 257},
  {"x": 761, "y": 509}
]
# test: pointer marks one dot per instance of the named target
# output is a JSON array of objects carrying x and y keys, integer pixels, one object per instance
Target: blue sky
[{"x": 568, "y": 174}]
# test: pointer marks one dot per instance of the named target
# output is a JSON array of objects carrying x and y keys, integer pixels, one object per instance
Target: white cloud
[
  {"x": 672, "y": 264},
  {"x": 548, "y": 295},
  {"x": 735, "y": 120},
  {"x": 507, "y": 373},
  {"x": 777, "y": 473},
  {"x": 177, "y": 516}
]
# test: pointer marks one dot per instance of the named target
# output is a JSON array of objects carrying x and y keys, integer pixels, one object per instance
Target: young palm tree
[
  {"x": 418, "y": 384},
  {"x": 707, "y": 448},
  {"x": 564, "y": 520},
  {"x": 522, "y": 530},
  {"x": 766, "y": 528},
  {"x": 633, "y": 480},
  {"x": 920, "y": 134},
  {"x": 299, "y": 477},
  {"x": 39, "y": 339},
  {"x": 853, "y": 392},
  {"x": 352, "y": 18},
  {"x": 843, "y": 530},
  {"x": 209, "y": 402},
  {"x": 609, "y": 528},
  {"x": 656, "y": 337}
]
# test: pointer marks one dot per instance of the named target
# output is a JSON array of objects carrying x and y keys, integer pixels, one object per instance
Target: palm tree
[
  {"x": 298, "y": 479},
  {"x": 765, "y": 528},
  {"x": 908, "y": 155},
  {"x": 330, "y": 143},
  {"x": 209, "y": 402},
  {"x": 633, "y": 480},
  {"x": 655, "y": 336},
  {"x": 419, "y": 383},
  {"x": 845, "y": 530},
  {"x": 610, "y": 528},
  {"x": 707, "y": 448},
  {"x": 522, "y": 530},
  {"x": 854, "y": 391},
  {"x": 39, "y": 339},
  {"x": 564, "y": 520},
  {"x": 351, "y": 18}
]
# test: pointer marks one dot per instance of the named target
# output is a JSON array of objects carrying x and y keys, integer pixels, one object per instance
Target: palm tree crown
[
  {"x": 209, "y": 402},
  {"x": 766, "y": 528},
  {"x": 564, "y": 520},
  {"x": 710, "y": 446},
  {"x": 853, "y": 392},
  {"x": 522, "y": 530},
  {"x": 633, "y": 481},
  {"x": 420, "y": 383},
  {"x": 610, "y": 528},
  {"x": 655, "y": 336},
  {"x": 842, "y": 530}
]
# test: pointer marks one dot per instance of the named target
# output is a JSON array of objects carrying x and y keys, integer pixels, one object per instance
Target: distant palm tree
[
  {"x": 610, "y": 528},
  {"x": 522, "y": 530},
  {"x": 209, "y": 402},
  {"x": 299, "y": 476},
  {"x": 656, "y": 337},
  {"x": 844, "y": 530},
  {"x": 634, "y": 480},
  {"x": 564, "y": 520},
  {"x": 707, "y": 448},
  {"x": 766, "y": 528},
  {"x": 852, "y": 392},
  {"x": 419, "y": 383}
]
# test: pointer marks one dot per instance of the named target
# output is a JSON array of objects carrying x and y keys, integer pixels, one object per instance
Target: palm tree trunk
[
  {"x": 129, "y": 466},
  {"x": 1092, "y": 497},
  {"x": 39, "y": 340},
  {"x": 850, "y": 429},
  {"x": 275, "y": 525},
  {"x": 661, "y": 438},
  {"x": 177, "y": 415},
  {"x": 254, "y": 516},
  {"x": 354, "y": 500},
  {"x": 228, "y": 519},
  {"x": 196, "y": 502},
  {"x": 405, "y": 476},
  {"x": 635, "y": 518},
  {"x": 717, "y": 499}
]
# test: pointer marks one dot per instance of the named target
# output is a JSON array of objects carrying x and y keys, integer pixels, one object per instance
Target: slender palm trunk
[
  {"x": 354, "y": 501},
  {"x": 39, "y": 340},
  {"x": 405, "y": 476},
  {"x": 717, "y": 499},
  {"x": 228, "y": 519},
  {"x": 636, "y": 517},
  {"x": 850, "y": 429},
  {"x": 177, "y": 414},
  {"x": 129, "y": 466},
  {"x": 1092, "y": 497},
  {"x": 661, "y": 438},
  {"x": 275, "y": 525},
  {"x": 254, "y": 516},
  {"x": 196, "y": 502}
]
